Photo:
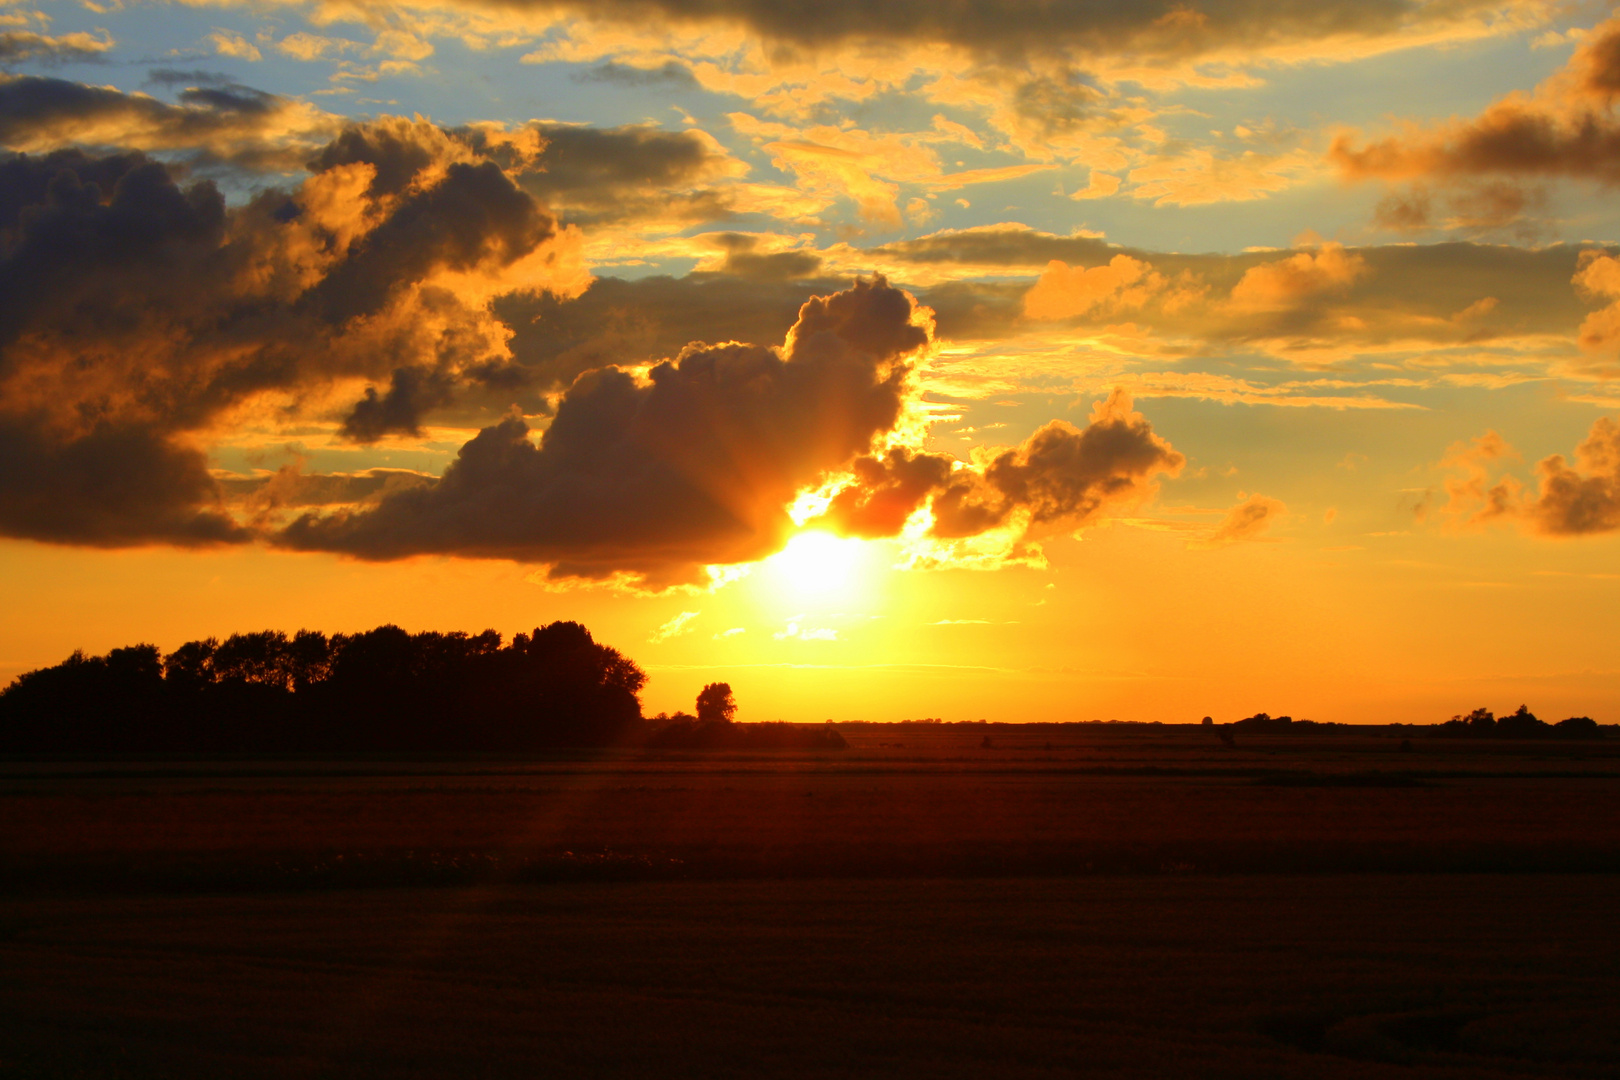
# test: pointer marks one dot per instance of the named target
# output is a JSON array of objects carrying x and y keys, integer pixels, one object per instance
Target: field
[{"x": 1115, "y": 901}]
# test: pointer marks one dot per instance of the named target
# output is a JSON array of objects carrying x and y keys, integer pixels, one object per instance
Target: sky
[{"x": 982, "y": 360}]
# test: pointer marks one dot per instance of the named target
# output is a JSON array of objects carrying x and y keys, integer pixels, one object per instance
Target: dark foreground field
[{"x": 1123, "y": 903}]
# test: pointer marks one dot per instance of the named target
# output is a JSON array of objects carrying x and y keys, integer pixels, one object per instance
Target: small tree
[{"x": 714, "y": 702}]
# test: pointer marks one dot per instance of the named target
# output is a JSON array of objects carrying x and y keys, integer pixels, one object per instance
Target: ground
[{"x": 1125, "y": 903}]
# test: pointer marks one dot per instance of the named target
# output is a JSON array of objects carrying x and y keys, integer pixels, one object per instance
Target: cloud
[
  {"x": 18, "y": 46},
  {"x": 745, "y": 259},
  {"x": 230, "y": 43},
  {"x": 1599, "y": 277},
  {"x": 627, "y": 322},
  {"x": 1582, "y": 499},
  {"x": 668, "y": 74},
  {"x": 1248, "y": 520},
  {"x": 1063, "y": 292},
  {"x": 659, "y": 477},
  {"x": 223, "y": 122},
  {"x": 290, "y": 487},
  {"x": 673, "y": 628},
  {"x": 1061, "y": 477},
  {"x": 1565, "y": 128},
  {"x": 137, "y": 313},
  {"x": 1157, "y": 31},
  {"x": 111, "y": 486},
  {"x": 631, "y": 173},
  {"x": 1282, "y": 284},
  {"x": 1471, "y": 497}
]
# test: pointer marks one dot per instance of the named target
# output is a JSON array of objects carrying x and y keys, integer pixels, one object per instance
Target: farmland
[{"x": 1136, "y": 900}]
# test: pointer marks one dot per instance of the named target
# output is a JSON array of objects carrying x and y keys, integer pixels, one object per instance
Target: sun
[{"x": 817, "y": 565}]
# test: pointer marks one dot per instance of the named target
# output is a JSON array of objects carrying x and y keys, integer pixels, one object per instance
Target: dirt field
[{"x": 1126, "y": 903}]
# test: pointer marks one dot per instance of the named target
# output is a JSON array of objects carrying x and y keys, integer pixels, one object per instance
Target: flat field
[{"x": 1108, "y": 901}]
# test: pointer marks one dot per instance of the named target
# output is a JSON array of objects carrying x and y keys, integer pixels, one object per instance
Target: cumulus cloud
[
  {"x": 1061, "y": 477},
  {"x": 1584, "y": 498},
  {"x": 1599, "y": 277},
  {"x": 1248, "y": 520},
  {"x": 137, "y": 311},
  {"x": 606, "y": 175},
  {"x": 1565, "y": 128},
  {"x": 618, "y": 321},
  {"x": 1063, "y": 291},
  {"x": 1279, "y": 285},
  {"x": 658, "y": 477},
  {"x": 1571, "y": 499}
]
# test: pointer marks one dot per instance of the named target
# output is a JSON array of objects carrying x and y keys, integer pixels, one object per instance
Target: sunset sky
[{"x": 1058, "y": 361}]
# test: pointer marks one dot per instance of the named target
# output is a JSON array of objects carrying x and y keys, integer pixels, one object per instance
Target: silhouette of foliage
[
  {"x": 381, "y": 690},
  {"x": 715, "y": 703},
  {"x": 1520, "y": 724}
]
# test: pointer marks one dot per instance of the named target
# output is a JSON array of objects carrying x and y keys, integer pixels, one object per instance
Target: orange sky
[{"x": 1087, "y": 363}]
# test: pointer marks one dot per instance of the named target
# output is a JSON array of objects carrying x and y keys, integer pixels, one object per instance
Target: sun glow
[{"x": 817, "y": 565}]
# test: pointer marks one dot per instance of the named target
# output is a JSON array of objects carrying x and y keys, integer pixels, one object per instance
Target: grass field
[{"x": 1129, "y": 902}]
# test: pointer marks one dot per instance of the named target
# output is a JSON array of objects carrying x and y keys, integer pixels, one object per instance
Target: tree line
[
  {"x": 1522, "y": 724},
  {"x": 381, "y": 690}
]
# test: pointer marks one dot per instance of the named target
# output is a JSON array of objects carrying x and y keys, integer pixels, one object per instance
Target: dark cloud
[
  {"x": 658, "y": 478},
  {"x": 1565, "y": 129},
  {"x": 1057, "y": 104},
  {"x": 136, "y": 310},
  {"x": 394, "y": 149},
  {"x": 194, "y": 77},
  {"x": 745, "y": 260},
  {"x": 1151, "y": 29},
  {"x": 1399, "y": 291},
  {"x": 1060, "y": 477},
  {"x": 1001, "y": 245},
  {"x": 411, "y": 393},
  {"x": 226, "y": 123},
  {"x": 634, "y": 322},
  {"x": 290, "y": 487},
  {"x": 1582, "y": 499},
  {"x": 110, "y": 486},
  {"x": 668, "y": 74},
  {"x": 472, "y": 217},
  {"x": 595, "y": 175}
]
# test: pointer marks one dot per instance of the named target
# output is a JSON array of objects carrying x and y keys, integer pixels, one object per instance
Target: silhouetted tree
[
  {"x": 384, "y": 689},
  {"x": 1577, "y": 727},
  {"x": 715, "y": 703},
  {"x": 1522, "y": 724}
]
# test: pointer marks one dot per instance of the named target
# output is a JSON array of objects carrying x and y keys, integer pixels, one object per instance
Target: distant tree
[
  {"x": 715, "y": 703},
  {"x": 1209, "y": 721},
  {"x": 1480, "y": 722},
  {"x": 1576, "y": 727},
  {"x": 381, "y": 690},
  {"x": 1522, "y": 724},
  {"x": 191, "y": 665}
]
